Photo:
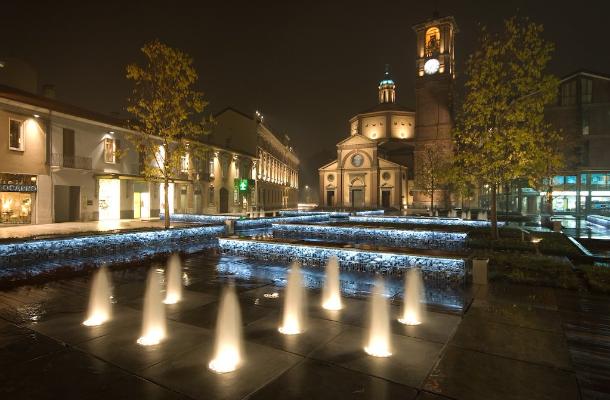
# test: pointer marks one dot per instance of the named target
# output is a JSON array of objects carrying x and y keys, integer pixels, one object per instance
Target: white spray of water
[
  {"x": 173, "y": 276},
  {"x": 294, "y": 313},
  {"x": 412, "y": 313},
  {"x": 100, "y": 305},
  {"x": 228, "y": 346},
  {"x": 153, "y": 320},
  {"x": 331, "y": 294},
  {"x": 378, "y": 343}
]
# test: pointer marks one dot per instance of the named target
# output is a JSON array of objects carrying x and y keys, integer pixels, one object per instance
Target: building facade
[
  {"x": 60, "y": 163},
  {"x": 274, "y": 166},
  {"x": 581, "y": 114}
]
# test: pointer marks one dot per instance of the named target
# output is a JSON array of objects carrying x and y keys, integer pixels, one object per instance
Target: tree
[
  {"x": 432, "y": 171},
  {"x": 164, "y": 105},
  {"x": 501, "y": 119},
  {"x": 551, "y": 159}
]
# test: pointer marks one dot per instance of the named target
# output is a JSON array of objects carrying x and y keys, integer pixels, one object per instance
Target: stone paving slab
[
  {"x": 409, "y": 364},
  {"x": 19, "y": 345},
  {"x": 509, "y": 341},
  {"x": 471, "y": 375},
  {"x": 188, "y": 372},
  {"x": 121, "y": 347},
  {"x": 317, "y": 333},
  {"x": 73, "y": 375},
  {"x": 69, "y": 328},
  {"x": 316, "y": 380}
]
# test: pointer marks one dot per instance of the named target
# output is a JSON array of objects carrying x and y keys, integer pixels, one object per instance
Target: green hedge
[
  {"x": 532, "y": 269},
  {"x": 552, "y": 243},
  {"x": 598, "y": 278}
]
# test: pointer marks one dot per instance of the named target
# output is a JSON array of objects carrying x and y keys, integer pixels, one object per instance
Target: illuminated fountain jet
[
  {"x": 294, "y": 302},
  {"x": 100, "y": 305},
  {"x": 228, "y": 347},
  {"x": 378, "y": 342},
  {"x": 412, "y": 313},
  {"x": 153, "y": 320},
  {"x": 173, "y": 276},
  {"x": 331, "y": 294}
]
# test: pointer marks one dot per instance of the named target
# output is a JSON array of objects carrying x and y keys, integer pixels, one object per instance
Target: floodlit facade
[
  {"x": 273, "y": 169},
  {"x": 377, "y": 164},
  {"x": 60, "y": 163}
]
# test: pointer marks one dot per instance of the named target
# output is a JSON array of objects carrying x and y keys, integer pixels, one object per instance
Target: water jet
[
  {"x": 414, "y": 288},
  {"x": 293, "y": 316},
  {"x": 378, "y": 343},
  {"x": 173, "y": 276},
  {"x": 331, "y": 294},
  {"x": 153, "y": 319},
  {"x": 228, "y": 344},
  {"x": 100, "y": 305}
]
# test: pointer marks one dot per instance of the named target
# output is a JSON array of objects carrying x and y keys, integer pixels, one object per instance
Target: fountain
[
  {"x": 331, "y": 294},
  {"x": 378, "y": 344},
  {"x": 228, "y": 346},
  {"x": 412, "y": 313},
  {"x": 294, "y": 302},
  {"x": 173, "y": 276},
  {"x": 100, "y": 306},
  {"x": 153, "y": 322}
]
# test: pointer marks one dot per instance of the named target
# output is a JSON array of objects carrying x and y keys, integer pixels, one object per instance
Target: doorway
[
  {"x": 66, "y": 203},
  {"x": 330, "y": 198},
  {"x": 357, "y": 198},
  {"x": 224, "y": 201},
  {"x": 385, "y": 198}
]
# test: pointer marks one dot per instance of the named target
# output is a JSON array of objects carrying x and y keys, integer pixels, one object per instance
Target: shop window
[
  {"x": 15, "y": 141},
  {"x": 570, "y": 182},
  {"x": 586, "y": 87},
  {"x": 599, "y": 181},
  {"x": 16, "y": 208},
  {"x": 558, "y": 181},
  {"x": 110, "y": 151}
]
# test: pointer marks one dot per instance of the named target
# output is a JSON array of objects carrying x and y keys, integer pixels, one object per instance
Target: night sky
[{"x": 307, "y": 66}]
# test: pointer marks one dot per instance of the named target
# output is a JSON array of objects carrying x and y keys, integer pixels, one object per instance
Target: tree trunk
[
  {"x": 432, "y": 202},
  {"x": 549, "y": 200},
  {"x": 166, "y": 205},
  {"x": 494, "y": 213}
]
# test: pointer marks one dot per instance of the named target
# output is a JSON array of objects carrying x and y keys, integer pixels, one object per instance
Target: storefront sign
[
  {"x": 244, "y": 185},
  {"x": 10, "y": 187}
]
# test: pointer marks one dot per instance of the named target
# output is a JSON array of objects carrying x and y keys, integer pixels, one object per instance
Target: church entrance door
[
  {"x": 330, "y": 198},
  {"x": 357, "y": 198},
  {"x": 385, "y": 198}
]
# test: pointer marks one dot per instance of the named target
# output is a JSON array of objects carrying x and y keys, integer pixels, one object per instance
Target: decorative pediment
[
  {"x": 356, "y": 140},
  {"x": 331, "y": 166},
  {"x": 383, "y": 163}
]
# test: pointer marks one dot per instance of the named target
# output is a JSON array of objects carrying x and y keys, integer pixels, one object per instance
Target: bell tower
[{"x": 435, "y": 75}]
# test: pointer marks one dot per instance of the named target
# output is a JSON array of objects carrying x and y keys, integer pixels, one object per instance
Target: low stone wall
[
  {"x": 451, "y": 241},
  {"x": 370, "y": 212},
  {"x": 421, "y": 221},
  {"x": 43, "y": 255},
  {"x": 266, "y": 222},
  {"x": 433, "y": 268},
  {"x": 200, "y": 218}
]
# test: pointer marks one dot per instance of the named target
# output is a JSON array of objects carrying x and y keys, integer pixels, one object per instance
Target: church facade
[{"x": 378, "y": 162}]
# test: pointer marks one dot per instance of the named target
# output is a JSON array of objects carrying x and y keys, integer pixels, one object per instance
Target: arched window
[{"x": 433, "y": 40}]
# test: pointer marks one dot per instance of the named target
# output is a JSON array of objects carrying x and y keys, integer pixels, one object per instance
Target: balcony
[{"x": 61, "y": 160}]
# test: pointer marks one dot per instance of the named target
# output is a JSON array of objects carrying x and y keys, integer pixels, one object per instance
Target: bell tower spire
[{"x": 387, "y": 88}]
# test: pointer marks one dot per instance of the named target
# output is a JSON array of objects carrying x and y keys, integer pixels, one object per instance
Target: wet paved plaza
[{"x": 508, "y": 342}]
